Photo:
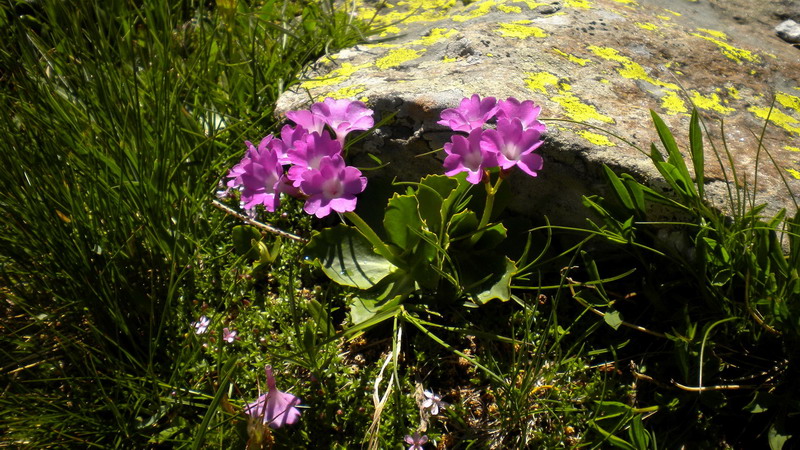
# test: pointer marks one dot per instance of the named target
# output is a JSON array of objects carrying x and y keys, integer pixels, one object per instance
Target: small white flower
[
  {"x": 433, "y": 403},
  {"x": 201, "y": 325}
]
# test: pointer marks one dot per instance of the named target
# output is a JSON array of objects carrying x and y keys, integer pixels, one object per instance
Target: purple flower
[
  {"x": 235, "y": 174},
  {"x": 308, "y": 120},
  {"x": 416, "y": 441},
  {"x": 307, "y": 154},
  {"x": 467, "y": 155},
  {"x": 472, "y": 113},
  {"x": 259, "y": 175},
  {"x": 228, "y": 335},
  {"x": 275, "y": 408},
  {"x": 433, "y": 403},
  {"x": 201, "y": 325},
  {"x": 527, "y": 112},
  {"x": 344, "y": 116},
  {"x": 514, "y": 145},
  {"x": 332, "y": 187}
]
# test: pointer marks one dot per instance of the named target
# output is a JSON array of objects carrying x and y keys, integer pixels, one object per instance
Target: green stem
[
  {"x": 373, "y": 238},
  {"x": 487, "y": 209}
]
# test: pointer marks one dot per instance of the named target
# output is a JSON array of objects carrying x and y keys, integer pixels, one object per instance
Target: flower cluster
[
  {"x": 512, "y": 142},
  {"x": 316, "y": 168}
]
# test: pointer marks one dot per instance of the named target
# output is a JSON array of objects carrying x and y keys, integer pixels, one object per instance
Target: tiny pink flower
[
  {"x": 228, "y": 335},
  {"x": 472, "y": 113},
  {"x": 467, "y": 155},
  {"x": 235, "y": 174},
  {"x": 308, "y": 120},
  {"x": 344, "y": 116},
  {"x": 433, "y": 403},
  {"x": 332, "y": 187},
  {"x": 274, "y": 408},
  {"x": 201, "y": 326},
  {"x": 527, "y": 112},
  {"x": 514, "y": 146},
  {"x": 308, "y": 152},
  {"x": 416, "y": 441}
]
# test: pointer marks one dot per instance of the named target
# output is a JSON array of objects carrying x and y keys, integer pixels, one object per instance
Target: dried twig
[{"x": 264, "y": 226}]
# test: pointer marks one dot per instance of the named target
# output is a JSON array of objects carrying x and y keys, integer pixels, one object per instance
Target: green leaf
[
  {"x": 431, "y": 194},
  {"x": 613, "y": 319},
  {"x": 487, "y": 276},
  {"x": 368, "y": 312},
  {"x": 243, "y": 237},
  {"x": 696, "y": 145},
  {"x": 347, "y": 257},
  {"x": 401, "y": 216},
  {"x": 619, "y": 188},
  {"x": 777, "y": 439}
]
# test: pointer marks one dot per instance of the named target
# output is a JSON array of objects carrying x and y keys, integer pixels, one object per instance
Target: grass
[{"x": 122, "y": 120}]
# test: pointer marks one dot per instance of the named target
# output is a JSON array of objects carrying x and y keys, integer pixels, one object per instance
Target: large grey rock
[{"x": 602, "y": 63}]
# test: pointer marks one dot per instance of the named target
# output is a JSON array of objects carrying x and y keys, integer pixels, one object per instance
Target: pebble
[{"x": 789, "y": 31}]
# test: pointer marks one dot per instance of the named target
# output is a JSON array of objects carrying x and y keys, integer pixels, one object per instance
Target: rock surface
[
  {"x": 597, "y": 67},
  {"x": 789, "y": 31}
]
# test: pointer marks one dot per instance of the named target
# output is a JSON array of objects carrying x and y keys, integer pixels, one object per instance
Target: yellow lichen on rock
[
  {"x": 397, "y": 57},
  {"x": 791, "y": 149},
  {"x": 647, "y": 26},
  {"x": 794, "y": 173},
  {"x": 337, "y": 76},
  {"x": 539, "y": 81},
  {"x": 585, "y": 4},
  {"x": 673, "y": 104},
  {"x": 345, "y": 92},
  {"x": 520, "y": 30},
  {"x": 482, "y": 8},
  {"x": 629, "y": 68},
  {"x": 788, "y": 101},
  {"x": 436, "y": 35},
  {"x": 710, "y": 103},
  {"x": 780, "y": 119},
  {"x": 578, "y": 111},
  {"x": 413, "y": 11},
  {"x": 737, "y": 54},
  {"x": 509, "y": 9},
  {"x": 572, "y": 58},
  {"x": 596, "y": 139},
  {"x": 715, "y": 33}
]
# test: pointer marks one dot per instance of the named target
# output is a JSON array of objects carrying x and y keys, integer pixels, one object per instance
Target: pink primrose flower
[
  {"x": 416, "y": 441},
  {"x": 308, "y": 152},
  {"x": 332, "y": 187},
  {"x": 261, "y": 178},
  {"x": 471, "y": 113},
  {"x": 514, "y": 146},
  {"x": 467, "y": 155},
  {"x": 290, "y": 136},
  {"x": 236, "y": 172},
  {"x": 527, "y": 112},
  {"x": 344, "y": 116},
  {"x": 274, "y": 408},
  {"x": 313, "y": 123}
]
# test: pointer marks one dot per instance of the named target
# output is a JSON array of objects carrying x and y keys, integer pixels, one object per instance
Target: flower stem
[
  {"x": 373, "y": 238},
  {"x": 491, "y": 191}
]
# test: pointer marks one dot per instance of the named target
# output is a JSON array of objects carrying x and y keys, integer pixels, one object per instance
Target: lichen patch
[
  {"x": 520, "y": 30},
  {"x": 397, "y": 57}
]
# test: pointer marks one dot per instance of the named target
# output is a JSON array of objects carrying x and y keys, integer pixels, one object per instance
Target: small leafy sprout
[
  {"x": 274, "y": 408},
  {"x": 201, "y": 326},
  {"x": 416, "y": 441}
]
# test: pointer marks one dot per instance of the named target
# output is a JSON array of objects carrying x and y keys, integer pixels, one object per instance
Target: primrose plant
[{"x": 430, "y": 247}]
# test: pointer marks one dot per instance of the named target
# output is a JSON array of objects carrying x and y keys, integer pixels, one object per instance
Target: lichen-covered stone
[{"x": 602, "y": 63}]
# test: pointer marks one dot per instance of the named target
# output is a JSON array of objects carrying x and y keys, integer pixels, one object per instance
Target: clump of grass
[{"x": 120, "y": 118}]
